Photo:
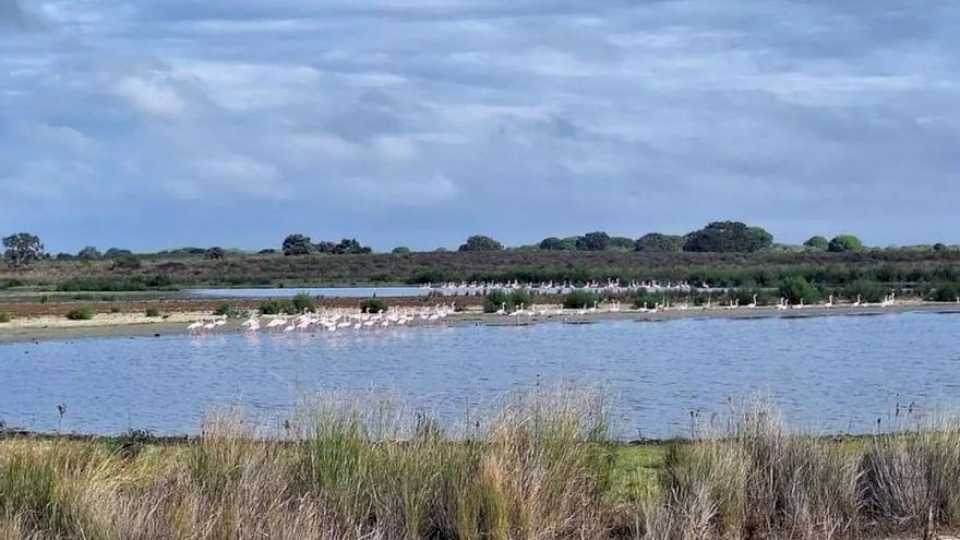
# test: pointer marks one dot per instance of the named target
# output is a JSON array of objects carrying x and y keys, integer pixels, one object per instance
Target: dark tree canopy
[
  {"x": 297, "y": 244},
  {"x": 113, "y": 253},
  {"x": 817, "y": 242},
  {"x": 728, "y": 237},
  {"x": 593, "y": 241},
  {"x": 845, "y": 243},
  {"x": 621, "y": 243},
  {"x": 89, "y": 253},
  {"x": 660, "y": 242},
  {"x": 215, "y": 253},
  {"x": 400, "y": 250},
  {"x": 22, "y": 248},
  {"x": 346, "y": 246},
  {"x": 481, "y": 243},
  {"x": 551, "y": 244}
]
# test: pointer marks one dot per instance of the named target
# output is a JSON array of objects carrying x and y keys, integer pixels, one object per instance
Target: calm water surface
[{"x": 830, "y": 374}]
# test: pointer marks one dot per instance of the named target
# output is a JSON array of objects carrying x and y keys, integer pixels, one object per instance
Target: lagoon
[{"x": 827, "y": 374}]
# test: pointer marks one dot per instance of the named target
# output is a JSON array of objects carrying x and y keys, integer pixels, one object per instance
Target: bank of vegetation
[
  {"x": 722, "y": 254},
  {"x": 541, "y": 467}
]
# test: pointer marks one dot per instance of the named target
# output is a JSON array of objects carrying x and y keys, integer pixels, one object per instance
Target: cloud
[
  {"x": 152, "y": 97},
  {"x": 422, "y": 121}
]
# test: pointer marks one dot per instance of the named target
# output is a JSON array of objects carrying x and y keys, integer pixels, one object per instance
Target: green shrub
[
  {"x": 271, "y": 307},
  {"x": 580, "y": 300},
  {"x": 817, "y": 242},
  {"x": 152, "y": 312},
  {"x": 844, "y": 243},
  {"x": 303, "y": 302},
  {"x": 226, "y": 310},
  {"x": 84, "y": 313},
  {"x": 5, "y": 317},
  {"x": 496, "y": 300},
  {"x": 520, "y": 297},
  {"x": 797, "y": 288},
  {"x": 868, "y": 291},
  {"x": 944, "y": 292},
  {"x": 373, "y": 305}
]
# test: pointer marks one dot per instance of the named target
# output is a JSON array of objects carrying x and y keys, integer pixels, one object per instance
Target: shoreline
[{"x": 129, "y": 325}]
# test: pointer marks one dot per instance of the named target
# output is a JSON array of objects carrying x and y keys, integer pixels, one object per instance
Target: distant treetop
[
  {"x": 728, "y": 237},
  {"x": 845, "y": 243},
  {"x": 660, "y": 242},
  {"x": 817, "y": 242},
  {"x": 481, "y": 243}
]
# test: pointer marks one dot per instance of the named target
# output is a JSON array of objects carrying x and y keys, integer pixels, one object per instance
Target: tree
[
  {"x": 113, "y": 253},
  {"x": 621, "y": 243},
  {"x": 22, "y": 249},
  {"x": 297, "y": 244},
  {"x": 660, "y": 242},
  {"x": 817, "y": 242},
  {"x": 89, "y": 253},
  {"x": 593, "y": 241},
  {"x": 939, "y": 246},
  {"x": 215, "y": 253},
  {"x": 551, "y": 244},
  {"x": 400, "y": 250},
  {"x": 845, "y": 243},
  {"x": 728, "y": 237},
  {"x": 481, "y": 243}
]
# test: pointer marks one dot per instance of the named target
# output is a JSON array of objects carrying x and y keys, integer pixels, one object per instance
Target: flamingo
[
  {"x": 754, "y": 303},
  {"x": 858, "y": 302},
  {"x": 829, "y": 303}
]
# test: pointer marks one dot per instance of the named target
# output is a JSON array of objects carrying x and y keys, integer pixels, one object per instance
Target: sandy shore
[{"x": 138, "y": 325}]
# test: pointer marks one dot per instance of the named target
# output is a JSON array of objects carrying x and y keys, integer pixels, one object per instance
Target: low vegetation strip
[{"x": 540, "y": 467}]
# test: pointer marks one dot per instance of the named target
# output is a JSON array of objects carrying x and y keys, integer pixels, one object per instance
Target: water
[{"x": 830, "y": 374}]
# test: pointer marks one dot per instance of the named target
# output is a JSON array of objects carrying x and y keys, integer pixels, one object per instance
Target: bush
[
  {"x": 593, "y": 241},
  {"x": 580, "y": 300},
  {"x": 818, "y": 243},
  {"x": 944, "y": 292},
  {"x": 495, "y": 301},
  {"x": 126, "y": 262},
  {"x": 797, "y": 288},
  {"x": 373, "y": 305},
  {"x": 868, "y": 291},
  {"x": 303, "y": 302},
  {"x": 84, "y": 313},
  {"x": 5, "y": 317},
  {"x": 845, "y": 243},
  {"x": 271, "y": 307},
  {"x": 297, "y": 244},
  {"x": 400, "y": 250},
  {"x": 226, "y": 310},
  {"x": 153, "y": 312}
]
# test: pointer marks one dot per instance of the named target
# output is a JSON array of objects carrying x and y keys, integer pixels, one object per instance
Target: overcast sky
[{"x": 162, "y": 123}]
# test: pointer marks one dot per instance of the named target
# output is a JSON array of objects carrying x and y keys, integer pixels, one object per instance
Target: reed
[{"x": 538, "y": 466}]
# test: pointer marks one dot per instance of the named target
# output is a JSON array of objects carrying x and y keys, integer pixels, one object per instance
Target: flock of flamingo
[
  {"x": 330, "y": 320},
  {"x": 344, "y": 319},
  {"x": 611, "y": 286}
]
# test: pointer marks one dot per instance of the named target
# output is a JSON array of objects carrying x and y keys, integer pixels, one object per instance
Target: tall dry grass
[
  {"x": 539, "y": 467},
  {"x": 538, "y": 471}
]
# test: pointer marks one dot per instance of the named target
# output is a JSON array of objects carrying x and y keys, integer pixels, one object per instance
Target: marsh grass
[{"x": 539, "y": 466}]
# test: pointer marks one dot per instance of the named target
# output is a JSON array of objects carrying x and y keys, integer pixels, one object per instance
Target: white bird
[
  {"x": 829, "y": 303},
  {"x": 858, "y": 302},
  {"x": 196, "y": 325}
]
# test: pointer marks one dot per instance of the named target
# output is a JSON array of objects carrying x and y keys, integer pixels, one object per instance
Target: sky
[{"x": 156, "y": 124}]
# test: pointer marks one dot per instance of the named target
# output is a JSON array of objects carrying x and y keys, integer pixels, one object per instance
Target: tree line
[{"x": 717, "y": 237}]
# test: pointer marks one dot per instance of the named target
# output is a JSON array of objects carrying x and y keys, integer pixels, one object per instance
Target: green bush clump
[
  {"x": 373, "y": 305},
  {"x": 226, "y": 310},
  {"x": 152, "y": 312},
  {"x": 496, "y": 300},
  {"x": 580, "y": 300},
  {"x": 84, "y": 313},
  {"x": 944, "y": 292},
  {"x": 303, "y": 302},
  {"x": 868, "y": 291},
  {"x": 509, "y": 301},
  {"x": 5, "y": 317},
  {"x": 797, "y": 288},
  {"x": 271, "y": 307}
]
